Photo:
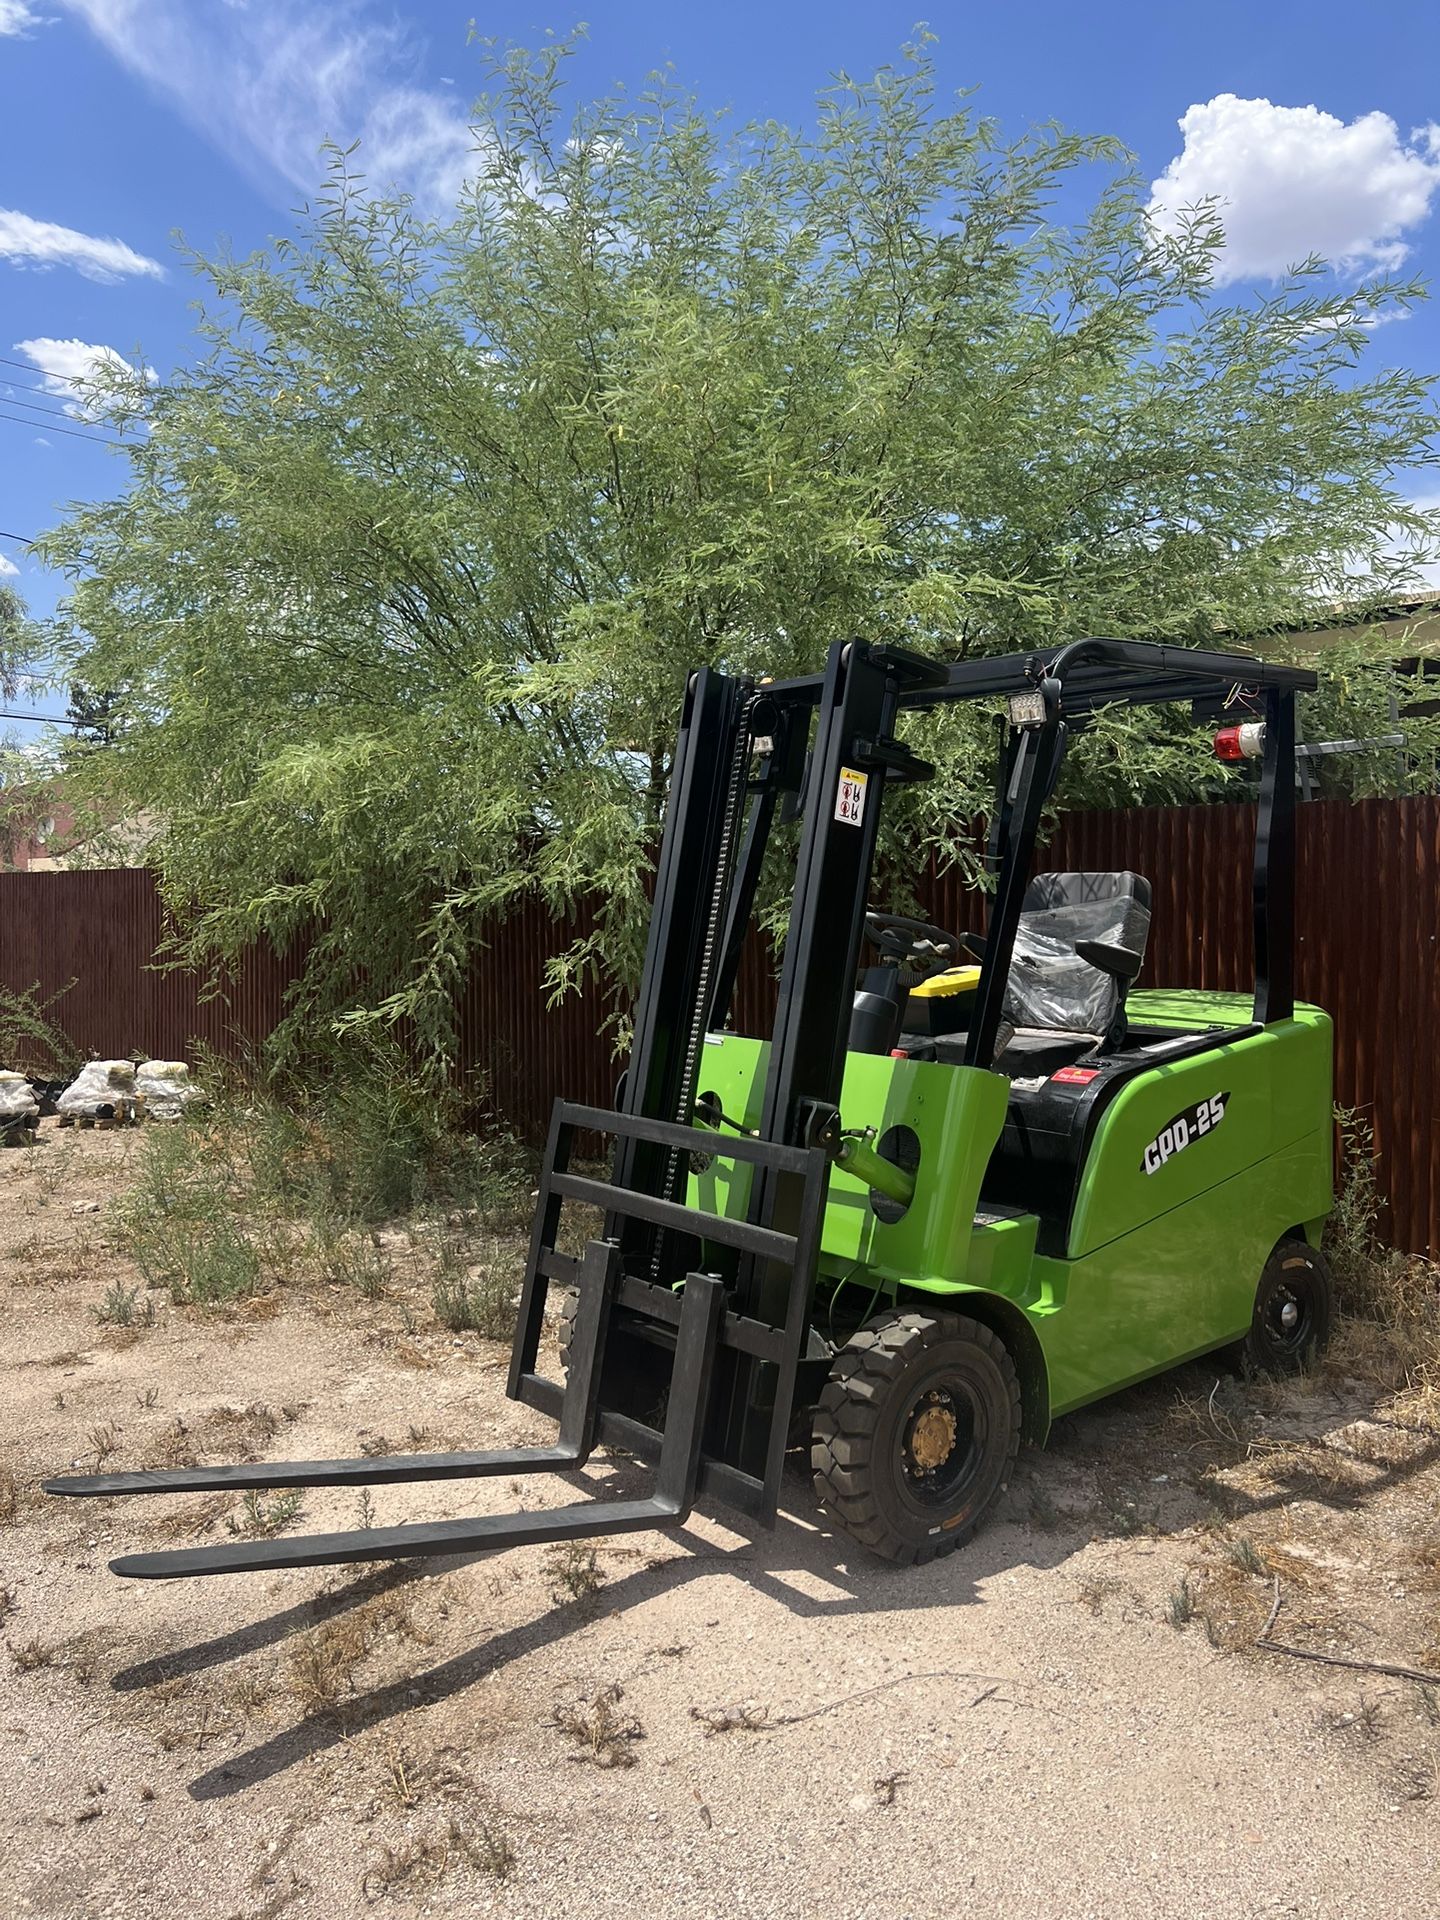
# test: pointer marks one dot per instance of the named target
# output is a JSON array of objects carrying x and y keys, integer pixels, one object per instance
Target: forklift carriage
[{"x": 920, "y": 1219}]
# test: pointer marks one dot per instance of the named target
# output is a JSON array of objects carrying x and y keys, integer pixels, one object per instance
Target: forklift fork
[{"x": 697, "y": 1315}]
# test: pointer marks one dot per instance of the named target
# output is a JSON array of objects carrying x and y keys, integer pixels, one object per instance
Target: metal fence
[{"x": 1367, "y": 925}]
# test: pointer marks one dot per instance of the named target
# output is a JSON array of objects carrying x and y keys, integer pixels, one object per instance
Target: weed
[
  {"x": 354, "y": 1260},
  {"x": 179, "y": 1218},
  {"x": 1098, "y": 1588},
  {"x": 149, "y": 1398},
  {"x": 34, "y": 1654},
  {"x": 389, "y": 1143},
  {"x": 219, "y": 1266},
  {"x": 1180, "y": 1607},
  {"x": 573, "y": 1571},
  {"x": 52, "y": 1166},
  {"x": 321, "y": 1670},
  {"x": 8, "y": 1602},
  {"x": 120, "y": 1307},
  {"x": 365, "y": 1514},
  {"x": 483, "y": 1303},
  {"x": 405, "y": 1784},
  {"x": 261, "y": 1519},
  {"x": 31, "y": 1039},
  {"x": 1365, "y": 1723},
  {"x": 323, "y": 1664},
  {"x": 418, "y": 1866},
  {"x": 104, "y": 1441},
  {"x": 1244, "y": 1554},
  {"x": 1415, "y": 1779},
  {"x": 251, "y": 1690},
  {"x": 744, "y": 1718},
  {"x": 9, "y": 1498},
  {"x": 884, "y": 1789},
  {"x": 606, "y": 1736},
  {"x": 1372, "y": 1280}
]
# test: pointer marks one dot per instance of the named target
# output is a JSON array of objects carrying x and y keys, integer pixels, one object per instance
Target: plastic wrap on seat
[{"x": 1050, "y": 986}]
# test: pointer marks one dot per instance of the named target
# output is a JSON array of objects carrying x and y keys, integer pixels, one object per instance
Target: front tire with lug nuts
[{"x": 916, "y": 1432}]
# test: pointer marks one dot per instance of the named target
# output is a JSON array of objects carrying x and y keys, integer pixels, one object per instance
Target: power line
[
  {"x": 28, "y": 386},
  {"x": 49, "y": 719},
  {"x": 23, "y": 539},
  {"x": 60, "y": 413},
  {"x": 52, "y": 373},
  {"x": 75, "y": 433}
]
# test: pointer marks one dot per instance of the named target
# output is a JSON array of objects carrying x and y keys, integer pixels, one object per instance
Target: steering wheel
[{"x": 911, "y": 942}]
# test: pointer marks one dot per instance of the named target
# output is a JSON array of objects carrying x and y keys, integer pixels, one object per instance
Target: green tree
[
  {"x": 94, "y": 717},
  {"x": 412, "y": 566},
  {"x": 17, "y": 640}
]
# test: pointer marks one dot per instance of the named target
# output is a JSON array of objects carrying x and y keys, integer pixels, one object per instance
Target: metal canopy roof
[
  {"x": 1095, "y": 673},
  {"x": 1092, "y": 674}
]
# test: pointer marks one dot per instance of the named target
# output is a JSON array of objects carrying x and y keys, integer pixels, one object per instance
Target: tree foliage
[{"x": 413, "y": 563}]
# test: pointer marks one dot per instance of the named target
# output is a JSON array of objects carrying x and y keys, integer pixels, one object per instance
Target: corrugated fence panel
[
  {"x": 93, "y": 937},
  {"x": 1367, "y": 927}
]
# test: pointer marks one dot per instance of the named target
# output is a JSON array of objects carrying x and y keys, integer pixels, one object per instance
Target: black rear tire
[
  {"x": 1294, "y": 1310},
  {"x": 916, "y": 1433}
]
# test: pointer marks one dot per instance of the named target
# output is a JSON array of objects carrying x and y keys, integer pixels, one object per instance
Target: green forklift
[{"x": 970, "y": 1179}]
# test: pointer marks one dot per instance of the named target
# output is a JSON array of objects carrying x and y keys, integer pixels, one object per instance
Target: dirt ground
[{"x": 1070, "y": 1718}]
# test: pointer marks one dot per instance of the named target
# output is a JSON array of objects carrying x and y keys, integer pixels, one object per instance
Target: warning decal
[{"x": 850, "y": 800}]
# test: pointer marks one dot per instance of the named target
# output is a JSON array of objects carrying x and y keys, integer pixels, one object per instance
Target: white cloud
[
  {"x": 18, "y": 18},
  {"x": 8, "y": 568},
  {"x": 1292, "y": 181},
  {"x": 41, "y": 243},
  {"x": 1420, "y": 557},
  {"x": 271, "y": 81},
  {"x": 66, "y": 365}
]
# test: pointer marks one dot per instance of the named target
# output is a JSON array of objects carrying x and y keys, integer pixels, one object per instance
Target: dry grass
[
  {"x": 324, "y": 1663},
  {"x": 746, "y": 1717},
  {"x": 189, "y": 1519},
  {"x": 417, "y": 1867},
  {"x": 408, "y": 1780},
  {"x": 572, "y": 1571},
  {"x": 34, "y": 1654},
  {"x": 1093, "y": 1592},
  {"x": 605, "y": 1735},
  {"x": 9, "y": 1498}
]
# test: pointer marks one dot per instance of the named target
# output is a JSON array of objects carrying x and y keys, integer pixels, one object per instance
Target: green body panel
[
  {"x": 956, "y": 1114},
  {"x": 1278, "y": 1083},
  {"x": 1159, "y": 1265},
  {"x": 1179, "y": 1286}
]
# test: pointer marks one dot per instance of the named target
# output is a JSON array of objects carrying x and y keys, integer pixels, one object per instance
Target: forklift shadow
[
  {"x": 1105, "y": 1458},
  {"x": 800, "y": 1565}
]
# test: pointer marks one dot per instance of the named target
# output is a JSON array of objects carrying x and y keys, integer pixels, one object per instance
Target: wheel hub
[
  {"x": 1289, "y": 1316},
  {"x": 932, "y": 1438}
]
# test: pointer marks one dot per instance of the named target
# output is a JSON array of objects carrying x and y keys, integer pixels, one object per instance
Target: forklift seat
[{"x": 1056, "y": 993}]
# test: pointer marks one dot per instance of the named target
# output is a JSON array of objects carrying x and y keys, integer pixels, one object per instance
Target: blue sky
[{"x": 125, "y": 122}]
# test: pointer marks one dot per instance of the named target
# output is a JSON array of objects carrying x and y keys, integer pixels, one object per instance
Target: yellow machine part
[{"x": 943, "y": 986}]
